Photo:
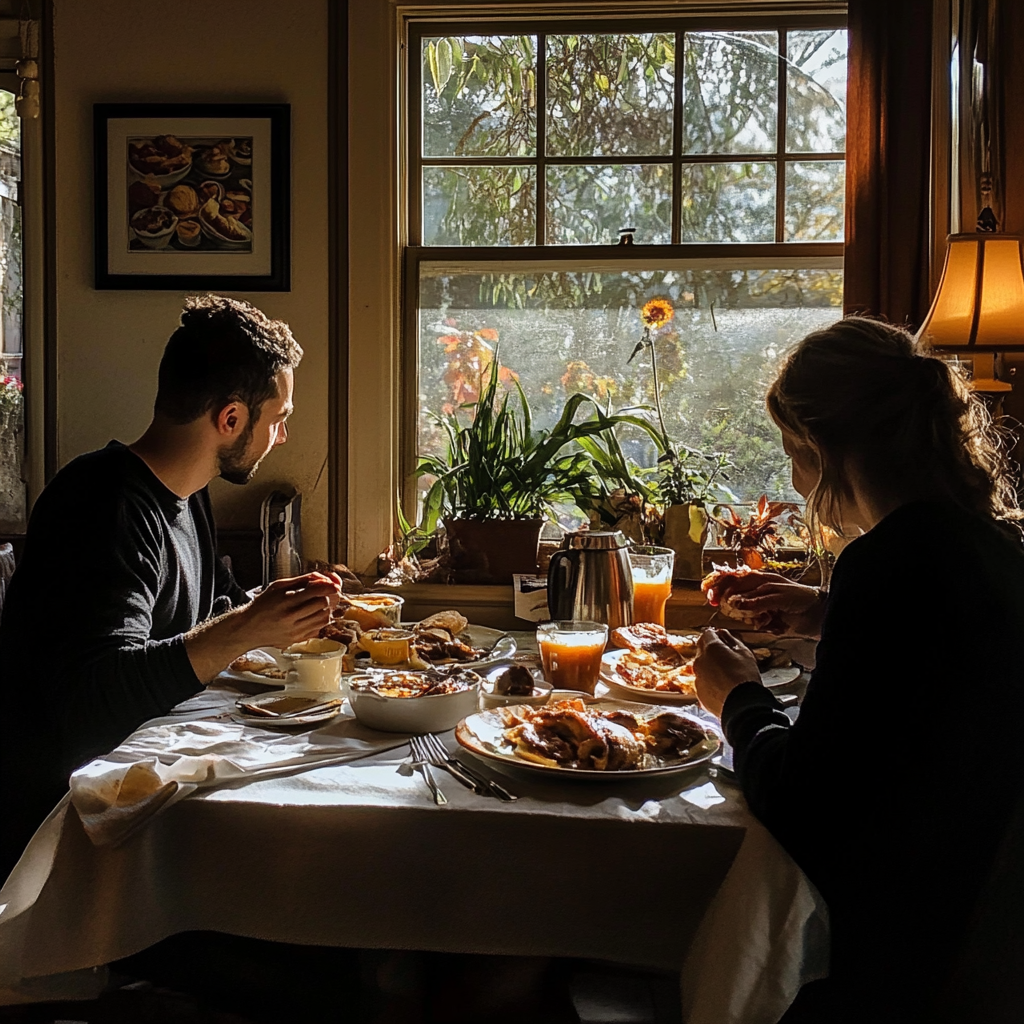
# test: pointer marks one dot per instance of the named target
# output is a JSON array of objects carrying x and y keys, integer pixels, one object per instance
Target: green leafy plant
[
  {"x": 689, "y": 477},
  {"x": 497, "y": 466}
]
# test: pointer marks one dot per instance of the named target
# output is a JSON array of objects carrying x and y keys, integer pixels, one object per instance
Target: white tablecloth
[{"x": 358, "y": 855}]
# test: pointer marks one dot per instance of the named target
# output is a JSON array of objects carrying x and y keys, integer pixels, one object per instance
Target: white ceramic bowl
[
  {"x": 154, "y": 239},
  {"x": 489, "y": 699},
  {"x": 416, "y": 715},
  {"x": 389, "y": 605},
  {"x": 314, "y": 665}
]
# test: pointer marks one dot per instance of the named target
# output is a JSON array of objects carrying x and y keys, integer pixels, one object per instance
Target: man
[{"x": 120, "y": 607}]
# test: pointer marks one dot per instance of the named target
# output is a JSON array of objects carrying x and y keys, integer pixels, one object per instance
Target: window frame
[{"x": 384, "y": 186}]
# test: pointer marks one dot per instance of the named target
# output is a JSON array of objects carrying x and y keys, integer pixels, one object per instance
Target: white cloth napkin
[{"x": 167, "y": 760}]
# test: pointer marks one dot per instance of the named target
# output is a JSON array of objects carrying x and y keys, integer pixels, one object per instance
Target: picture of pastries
[{"x": 197, "y": 194}]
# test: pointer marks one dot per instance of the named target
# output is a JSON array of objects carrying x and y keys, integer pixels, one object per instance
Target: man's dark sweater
[
  {"x": 894, "y": 787},
  {"x": 115, "y": 569}
]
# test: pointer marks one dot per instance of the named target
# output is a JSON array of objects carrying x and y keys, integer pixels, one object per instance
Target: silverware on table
[
  {"x": 440, "y": 756},
  {"x": 421, "y": 760}
]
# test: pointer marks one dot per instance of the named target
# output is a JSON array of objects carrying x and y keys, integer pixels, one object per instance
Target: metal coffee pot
[{"x": 589, "y": 578}]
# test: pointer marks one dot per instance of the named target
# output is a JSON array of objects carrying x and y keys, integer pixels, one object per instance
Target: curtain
[{"x": 888, "y": 153}]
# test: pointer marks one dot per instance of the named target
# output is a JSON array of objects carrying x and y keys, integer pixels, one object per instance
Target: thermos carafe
[{"x": 589, "y": 578}]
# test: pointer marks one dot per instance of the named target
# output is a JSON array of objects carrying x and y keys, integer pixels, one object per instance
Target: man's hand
[
  {"x": 290, "y": 610},
  {"x": 721, "y": 664},
  {"x": 772, "y": 603},
  {"x": 282, "y": 614}
]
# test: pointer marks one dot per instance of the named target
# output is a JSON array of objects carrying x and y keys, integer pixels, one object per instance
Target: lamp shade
[{"x": 980, "y": 301}]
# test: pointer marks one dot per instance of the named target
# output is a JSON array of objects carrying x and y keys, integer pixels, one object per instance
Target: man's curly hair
[{"x": 225, "y": 350}]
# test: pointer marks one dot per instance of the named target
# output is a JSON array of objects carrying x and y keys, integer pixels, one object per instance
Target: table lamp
[{"x": 978, "y": 311}]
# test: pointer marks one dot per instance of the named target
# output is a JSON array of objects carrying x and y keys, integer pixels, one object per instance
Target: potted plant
[
  {"x": 756, "y": 538},
  {"x": 689, "y": 482},
  {"x": 499, "y": 477}
]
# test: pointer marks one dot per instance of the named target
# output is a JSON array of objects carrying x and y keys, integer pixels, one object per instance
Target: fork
[
  {"x": 421, "y": 758},
  {"x": 481, "y": 784}
]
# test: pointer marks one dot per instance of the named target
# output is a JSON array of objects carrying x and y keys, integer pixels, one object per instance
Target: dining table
[{"x": 338, "y": 842}]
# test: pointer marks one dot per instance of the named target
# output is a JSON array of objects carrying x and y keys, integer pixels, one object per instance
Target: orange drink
[
  {"x": 571, "y": 653},
  {"x": 652, "y": 582},
  {"x": 649, "y": 600}
]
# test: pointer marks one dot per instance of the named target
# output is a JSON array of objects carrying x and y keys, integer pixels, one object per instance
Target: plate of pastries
[
  {"x": 651, "y": 664},
  {"x": 596, "y": 740},
  {"x": 445, "y": 638}
]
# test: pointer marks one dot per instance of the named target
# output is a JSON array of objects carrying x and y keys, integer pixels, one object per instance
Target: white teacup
[{"x": 315, "y": 664}]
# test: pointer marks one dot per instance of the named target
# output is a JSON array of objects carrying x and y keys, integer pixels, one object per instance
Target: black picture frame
[{"x": 125, "y": 259}]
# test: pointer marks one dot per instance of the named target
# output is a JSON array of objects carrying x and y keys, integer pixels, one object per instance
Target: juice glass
[
  {"x": 571, "y": 652},
  {"x": 652, "y": 582}
]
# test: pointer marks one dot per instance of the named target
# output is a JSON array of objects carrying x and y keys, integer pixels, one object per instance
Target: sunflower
[{"x": 657, "y": 313}]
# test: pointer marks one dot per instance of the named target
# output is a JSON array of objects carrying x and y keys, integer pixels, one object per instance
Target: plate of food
[
  {"x": 259, "y": 666},
  {"x": 291, "y": 709},
  {"x": 654, "y": 665},
  {"x": 445, "y": 638},
  {"x": 601, "y": 740}
]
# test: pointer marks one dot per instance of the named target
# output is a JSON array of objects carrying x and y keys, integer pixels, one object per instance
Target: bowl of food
[
  {"x": 154, "y": 227},
  {"x": 164, "y": 160},
  {"x": 189, "y": 233},
  {"x": 414, "y": 702},
  {"x": 371, "y": 611},
  {"x": 514, "y": 684},
  {"x": 228, "y": 232},
  {"x": 239, "y": 151},
  {"x": 314, "y": 664},
  {"x": 213, "y": 162}
]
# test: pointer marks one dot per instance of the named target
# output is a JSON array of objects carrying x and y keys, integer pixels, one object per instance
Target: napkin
[{"x": 167, "y": 760}]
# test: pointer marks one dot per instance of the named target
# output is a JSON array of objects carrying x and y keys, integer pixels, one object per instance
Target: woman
[{"x": 894, "y": 787}]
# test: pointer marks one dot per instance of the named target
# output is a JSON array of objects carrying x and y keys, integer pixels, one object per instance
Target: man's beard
[{"x": 236, "y": 463}]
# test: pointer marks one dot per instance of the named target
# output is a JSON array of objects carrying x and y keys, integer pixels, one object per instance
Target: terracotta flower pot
[
  {"x": 686, "y": 533},
  {"x": 492, "y": 550}
]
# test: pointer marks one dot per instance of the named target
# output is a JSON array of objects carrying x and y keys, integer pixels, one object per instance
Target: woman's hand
[
  {"x": 772, "y": 603},
  {"x": 722, "y": 663}
]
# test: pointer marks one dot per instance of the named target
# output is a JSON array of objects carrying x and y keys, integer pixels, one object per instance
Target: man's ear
[{"x": 231, "y": 420}]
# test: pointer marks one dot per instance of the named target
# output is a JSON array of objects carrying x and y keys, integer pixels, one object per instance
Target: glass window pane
[
  {"x": 816, "y": 92},
  {"x": 610, "y": 95},
  {"x": 479, "y": 96},
  {"x": 589, "y": 205},
  {"x": 13, "y": 517},
  {"x": 567, "y": 332},
  {"x": 730, "y": 92},
  {"x": 728, "y": 203},
  {"x": 815, "y": 201},
  {"x": 479, "y": 206}
]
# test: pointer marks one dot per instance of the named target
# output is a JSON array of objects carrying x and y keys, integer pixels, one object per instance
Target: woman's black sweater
[{"x": 894, "y": 787}]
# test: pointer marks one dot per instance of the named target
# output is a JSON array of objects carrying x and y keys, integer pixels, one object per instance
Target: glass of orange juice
[
  {"x": 571, "y": 652},
  {"x": 652, "y": 582}
]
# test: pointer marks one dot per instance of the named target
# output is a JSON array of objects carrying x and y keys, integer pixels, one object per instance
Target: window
[
  {"x": 13, "y": 514},
  {"x": 721, "y": 145}
]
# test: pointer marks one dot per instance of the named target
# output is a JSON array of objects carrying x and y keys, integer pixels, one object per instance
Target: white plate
[
  {"x": 255, "y": 677},
  {"x": 500, "y": 646},
  {"x": 291, "y": 720},
  {"x": 483, "y": 734},
  {"x": 771, "y": 677}
]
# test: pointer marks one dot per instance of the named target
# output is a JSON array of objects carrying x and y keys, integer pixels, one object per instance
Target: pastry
[
  {"x": 183, "y": 200},
  {"x": 189, "y": 232}
]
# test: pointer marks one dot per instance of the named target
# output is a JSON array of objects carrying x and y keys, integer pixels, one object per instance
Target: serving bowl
[
  {"x": 153, "y": 239},
  {"x": 362, "y": 608},
  {"x": 418, "y": 715}
]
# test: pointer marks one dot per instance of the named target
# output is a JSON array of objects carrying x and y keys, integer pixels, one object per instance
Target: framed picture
[{"x": 193, "y": 196}]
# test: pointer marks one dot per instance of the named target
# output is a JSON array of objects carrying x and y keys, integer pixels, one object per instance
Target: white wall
[{"x": 109, "y": 342}]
